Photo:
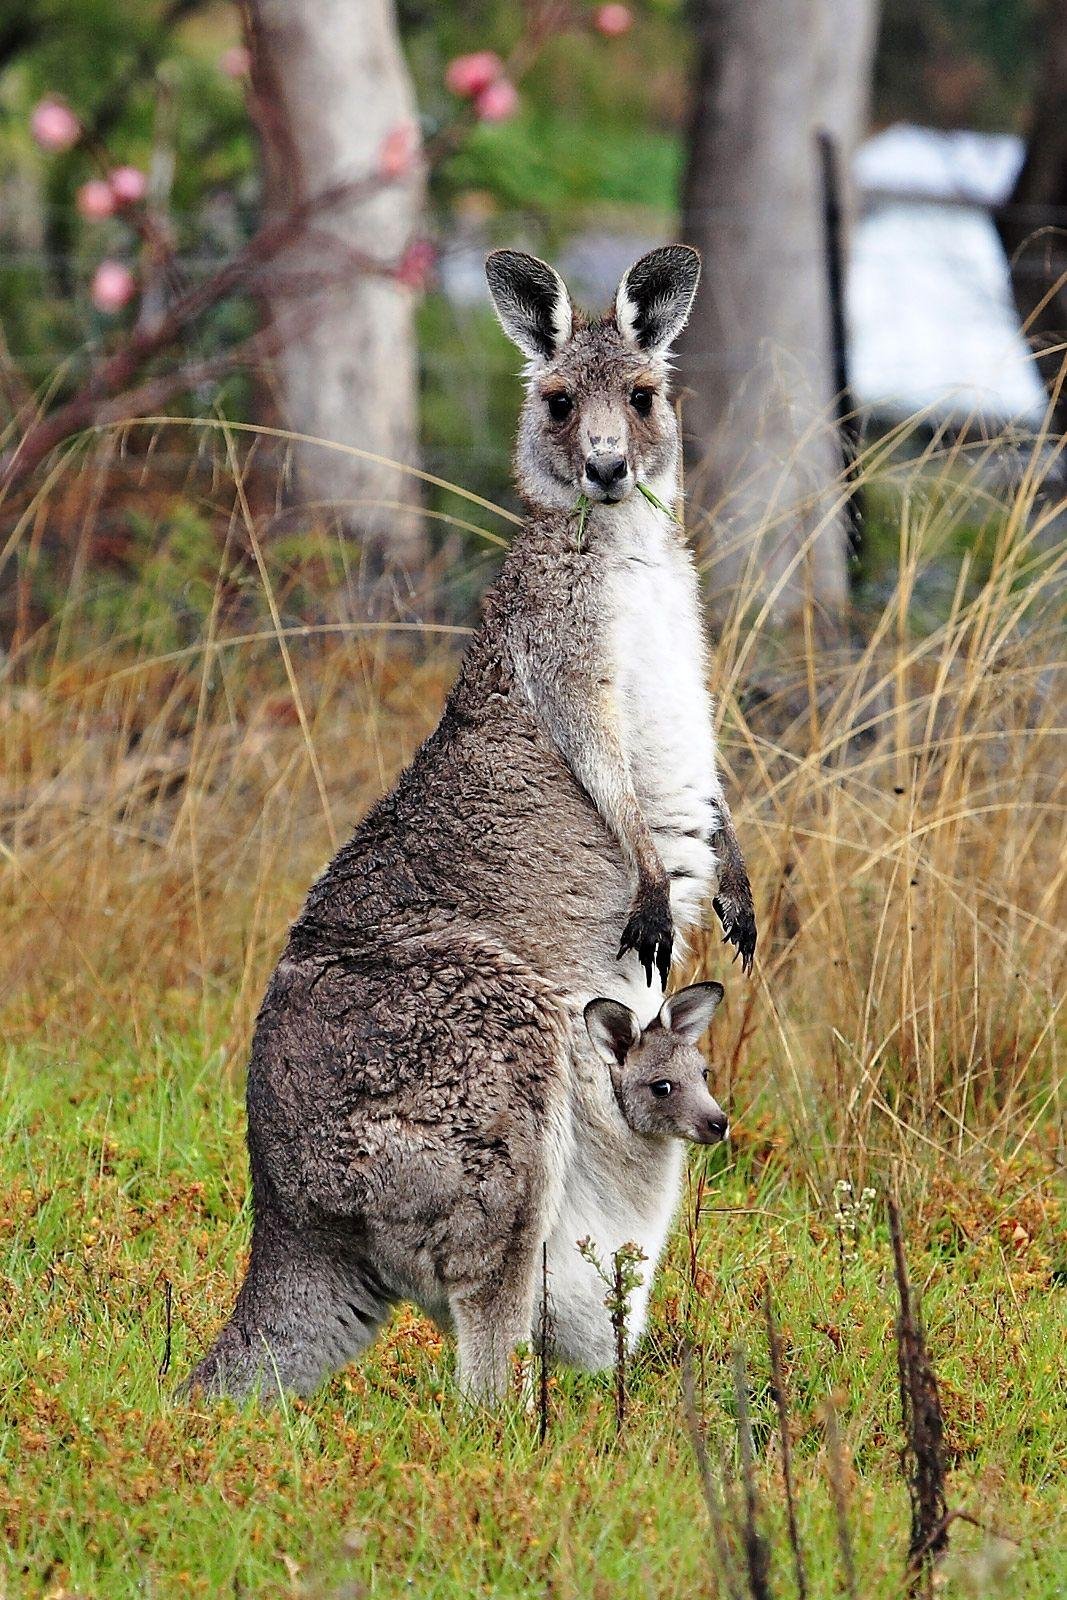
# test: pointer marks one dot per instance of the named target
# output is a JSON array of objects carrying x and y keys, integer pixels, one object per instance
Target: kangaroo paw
[
  {"x": 650, "y": 931},
  {"x": 733, "y": 902}
]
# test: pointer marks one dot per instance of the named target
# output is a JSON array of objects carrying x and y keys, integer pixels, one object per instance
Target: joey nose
[
  {"x": 607, "y": 472},
  {"x": 717, "y": 1125}
]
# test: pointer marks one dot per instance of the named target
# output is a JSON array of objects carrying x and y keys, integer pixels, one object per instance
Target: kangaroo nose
[
  {"x": 606, "y": 470},
  {"x": 718, "y": 1125}
]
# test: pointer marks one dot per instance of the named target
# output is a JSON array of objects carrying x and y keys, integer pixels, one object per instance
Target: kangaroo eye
[
  {"x": 641, "y": 400},
  {"x": 560, "y": 407},
  {"x": 661, "y": 1088},
  {"x": 704, "y": 1074}
]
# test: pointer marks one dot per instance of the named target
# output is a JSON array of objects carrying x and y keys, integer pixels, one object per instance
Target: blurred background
[
  {"x": 254, "y": 467},
  {"x": 277, "y": 214}
]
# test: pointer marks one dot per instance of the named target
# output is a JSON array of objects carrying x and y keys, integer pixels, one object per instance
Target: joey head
[{"x": 659, "y": 1076}]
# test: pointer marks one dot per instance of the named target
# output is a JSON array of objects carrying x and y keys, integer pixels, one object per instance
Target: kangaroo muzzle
[
  {"x": 607, "y": 477},
  {"x": 713, "y": 1128}
]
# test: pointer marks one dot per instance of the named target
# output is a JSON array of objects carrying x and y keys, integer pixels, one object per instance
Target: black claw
[
  {"x": 739, "y": 928},
  {"x": 650, "y": 932}
]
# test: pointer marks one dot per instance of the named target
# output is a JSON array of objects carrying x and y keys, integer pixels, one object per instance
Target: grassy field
[
  {"x": 174, "y": 769},
  {"x": 123, "y": 1172}
]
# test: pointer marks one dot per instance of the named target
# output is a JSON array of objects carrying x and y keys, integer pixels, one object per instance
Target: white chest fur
[
  {"x": 659, "y": 669},
  {"x": 664, "y": 708},
  {"x": 596, "y": 1206}
]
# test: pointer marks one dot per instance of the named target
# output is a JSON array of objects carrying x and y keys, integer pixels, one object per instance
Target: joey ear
[
  {"x": 688, "y": 1012},
  {"x": 655, "y": 297},
  {"x": 613, "y": 1029},
  {"x": 531, "y": 301}
]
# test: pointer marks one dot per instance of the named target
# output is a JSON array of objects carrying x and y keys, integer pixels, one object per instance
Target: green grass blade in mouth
[
  {"x": 654, "y": 500},
  {"x": 581, "y": 506}
]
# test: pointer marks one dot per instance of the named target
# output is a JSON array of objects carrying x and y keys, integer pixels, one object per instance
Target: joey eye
[
  {"x": 704, "y": 1074},
  {"x": 661, "y": 1088},
  {"x": 560, "y": 407},
  {"x": 641, "y": 400}
]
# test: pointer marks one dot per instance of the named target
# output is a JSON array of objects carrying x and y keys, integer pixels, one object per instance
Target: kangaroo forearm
[
  {"x": 725, "y": 838},
  {"x": 626, "y": 820},
  {"x": 599, "y": 765},
  {"x": 584, "y": 734},
  {"x": 733, "y": 900}
]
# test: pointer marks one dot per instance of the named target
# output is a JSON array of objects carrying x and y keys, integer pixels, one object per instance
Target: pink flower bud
[
  {"x": 54, "y": 125},
  {"x": 113, "y": 286},
  {"x": 398, "y": 150},
  {"x": 235, "y": 61},
  {"x": 471, "y": 75},
  {"x": 612, "y": 20},
  {"x": 95, "y": 200},
  {"x": 128, "y": 185},
  {"x": 415, "y": 267},
  {"x": 497, "y": 102}
]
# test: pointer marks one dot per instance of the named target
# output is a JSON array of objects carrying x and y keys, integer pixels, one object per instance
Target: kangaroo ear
[
  {"x": 531, "y": 301},
  {"x": 654, "y": 299},
  {"x": 688, "y": 1012},
  {"x": 613, "y": 1029}
]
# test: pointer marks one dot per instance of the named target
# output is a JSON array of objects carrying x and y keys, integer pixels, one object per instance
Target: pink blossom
[
  {"x": 416, "y": 265},
  {"x": 472, "y": 75},
  {"x": 54, "y": 125},
  {"x": 128, "y": 185},
  {"x": 398, "y": 150},
  {"x": 497, "y": 102},
  {"x": 612, "y": 20},
  {"x": 95, "y": 200},
  {"x": 113, "y": 286},
  {"x": 235, "y": 62}
]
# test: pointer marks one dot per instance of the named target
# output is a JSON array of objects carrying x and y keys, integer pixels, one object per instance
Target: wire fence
[
  {"x": 928, "y": 296},
  {"x": 930, "y": 327}
]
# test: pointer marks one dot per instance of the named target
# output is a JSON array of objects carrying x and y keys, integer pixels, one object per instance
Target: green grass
[{"x": 123, "y": 1169}]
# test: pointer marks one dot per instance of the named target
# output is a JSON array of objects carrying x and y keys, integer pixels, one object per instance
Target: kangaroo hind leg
[
  {"x": 306, "y": 1308},
  {"x": 490, "y": 1320}
]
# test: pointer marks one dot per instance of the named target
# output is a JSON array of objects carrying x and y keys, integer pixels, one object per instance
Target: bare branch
[{"x": 118, "y": 371}]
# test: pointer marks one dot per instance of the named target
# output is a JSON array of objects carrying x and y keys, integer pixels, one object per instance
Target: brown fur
[{"x": 423, "y": 1112}]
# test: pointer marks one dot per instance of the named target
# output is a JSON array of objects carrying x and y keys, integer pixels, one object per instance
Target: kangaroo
[
  {"x": 658, "y": 1074},
  {"x": 549, "y": 842}
]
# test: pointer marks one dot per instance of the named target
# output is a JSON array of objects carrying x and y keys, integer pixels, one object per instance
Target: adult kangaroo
[{"x": 425, "y": 1107}]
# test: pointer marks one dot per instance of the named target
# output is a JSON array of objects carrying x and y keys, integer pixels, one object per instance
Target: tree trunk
[
  {"x": 329, "y": 83},
  {"x": 1031, "y": 224},
  {"x": 764, "y": 451}
]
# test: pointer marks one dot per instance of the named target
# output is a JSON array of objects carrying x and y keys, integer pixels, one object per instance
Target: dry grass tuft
[{"x": 901, "y": 801}]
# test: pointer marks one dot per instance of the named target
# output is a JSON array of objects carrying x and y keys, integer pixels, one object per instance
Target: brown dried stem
[
  {"x": 774, "y": 1347},
  {"x": 168, "y": 1308},
  {"x": 709, "y": 1487},
  {"x": 757, "y": 1550},
  {"x": 922, "y": 1455},
  {"x": 839, "y": 1490}
]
